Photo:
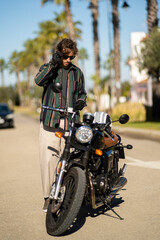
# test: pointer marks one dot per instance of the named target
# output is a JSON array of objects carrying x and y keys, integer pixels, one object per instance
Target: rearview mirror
[
  {"x": 124, "y": 119},
  {"x": 56, "y": 87}
]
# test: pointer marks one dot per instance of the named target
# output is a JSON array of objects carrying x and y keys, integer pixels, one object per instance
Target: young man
[{"x": 60, "y": 70}]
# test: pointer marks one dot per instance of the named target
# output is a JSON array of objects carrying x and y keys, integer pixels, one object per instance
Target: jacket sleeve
[
  {"x": 45, "y": 72},
  {"x": 82, "y": 95}
]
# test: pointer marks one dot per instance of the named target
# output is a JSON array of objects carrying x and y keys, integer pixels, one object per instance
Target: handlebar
[{"x": 65, "y": 110}]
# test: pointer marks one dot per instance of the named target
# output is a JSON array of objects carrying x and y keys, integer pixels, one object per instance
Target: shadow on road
[
  {"x": 88, "y": 211},
  {"x": 6, "y": 127}
]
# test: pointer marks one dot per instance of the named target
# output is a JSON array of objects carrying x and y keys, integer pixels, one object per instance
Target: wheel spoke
[
  {"x": 70, "y": 190},
  {"x": 59, "y": 221}
]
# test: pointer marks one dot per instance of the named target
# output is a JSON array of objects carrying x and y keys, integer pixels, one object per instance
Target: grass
[
  {"x": 143, "y": 125},
  {"x": 26, "y": 110}
]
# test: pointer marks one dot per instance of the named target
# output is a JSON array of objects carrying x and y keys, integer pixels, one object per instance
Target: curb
[{"x": 138, "y": 133}]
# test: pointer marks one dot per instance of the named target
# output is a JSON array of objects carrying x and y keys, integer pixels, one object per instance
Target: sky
[{"x": 20, "y": 21}]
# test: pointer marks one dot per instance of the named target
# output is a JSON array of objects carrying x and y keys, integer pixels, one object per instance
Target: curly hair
[{"x": 66, "y": 46}]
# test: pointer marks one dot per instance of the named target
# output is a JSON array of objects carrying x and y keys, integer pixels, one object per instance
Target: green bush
[
  {"x": 8, "y": 94},
  {"x": 136, "y": 111}
]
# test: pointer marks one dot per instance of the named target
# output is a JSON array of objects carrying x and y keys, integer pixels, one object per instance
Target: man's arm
[
  {"x": 48, "y": 69},
  {"x": 82, "y": 95},
  {"x": 45, "y": 72}
]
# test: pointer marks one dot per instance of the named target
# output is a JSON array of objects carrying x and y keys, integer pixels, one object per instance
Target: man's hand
[
  {"x": 80, "y": 104},
  {"x": 56, "y": 59}
]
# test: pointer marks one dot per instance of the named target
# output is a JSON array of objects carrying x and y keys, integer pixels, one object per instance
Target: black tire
[{"x": 59, "y": 222}]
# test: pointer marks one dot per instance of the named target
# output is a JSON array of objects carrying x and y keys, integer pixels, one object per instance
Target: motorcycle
[{"x": 87, "y": 171}]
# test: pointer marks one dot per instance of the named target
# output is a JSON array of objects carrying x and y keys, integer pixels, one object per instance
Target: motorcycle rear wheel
[{"x": 75, "y": 183}]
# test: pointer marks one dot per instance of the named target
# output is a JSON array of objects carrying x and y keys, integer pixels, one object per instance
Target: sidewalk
[{"x": 138, "y": 133}]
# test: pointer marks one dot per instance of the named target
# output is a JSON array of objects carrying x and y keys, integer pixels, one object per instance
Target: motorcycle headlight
[{"x": 84, "y": 134}]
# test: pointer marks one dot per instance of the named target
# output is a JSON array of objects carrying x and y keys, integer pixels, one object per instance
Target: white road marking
[{"x": 140, "y": 163}]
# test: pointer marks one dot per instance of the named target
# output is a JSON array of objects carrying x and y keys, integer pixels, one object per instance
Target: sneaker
[{"x": 46, "y": 203}]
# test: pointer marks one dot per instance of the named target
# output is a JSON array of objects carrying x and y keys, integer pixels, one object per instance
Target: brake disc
[{"x": 57, "y": 203}]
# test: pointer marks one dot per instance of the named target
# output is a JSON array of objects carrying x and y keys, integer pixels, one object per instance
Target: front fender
[{"x": 75, "y": 164}]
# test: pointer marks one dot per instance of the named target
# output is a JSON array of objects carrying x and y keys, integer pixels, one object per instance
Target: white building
[{"x": 141, "y": 84}]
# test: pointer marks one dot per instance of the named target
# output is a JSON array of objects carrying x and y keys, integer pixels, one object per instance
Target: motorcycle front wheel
[{"x": 59, "y": 222}]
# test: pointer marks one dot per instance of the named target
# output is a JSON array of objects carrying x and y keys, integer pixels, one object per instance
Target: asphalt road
[{"x": 21, "y": 199}]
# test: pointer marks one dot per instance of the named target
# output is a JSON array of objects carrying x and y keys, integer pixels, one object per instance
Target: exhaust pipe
[
  {"x": 122, "y": 182},
  {"x": 122, "y": 170}
]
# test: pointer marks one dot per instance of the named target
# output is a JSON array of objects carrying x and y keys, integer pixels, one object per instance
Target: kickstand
[{"x": 113, "y": 211}]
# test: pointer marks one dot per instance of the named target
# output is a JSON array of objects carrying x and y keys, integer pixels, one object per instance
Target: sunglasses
[{"x": 70, "y": 57}]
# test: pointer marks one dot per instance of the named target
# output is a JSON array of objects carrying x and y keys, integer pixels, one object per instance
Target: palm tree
[
  {"x": 94, "y": 9},
  {"x": 38, "y": 50},
  {"x": 115, "y": 21},
  {"x": 70, "y": 23},
  {"x": 15, "y": 66},
  {"x": 31, "y": 58},
  {"x": 61, "y": 25},
  {"x": 109, "y": 66},
  {"x": 152, "y": 20},
  {"x": 47, "y": 36},
  {"x": 2, "y": 67},
  {"x": 69, "y": 20},
  {"x": 67, "y": 6},
  {"x": 60, "y": 21},
  {"x": 152, "y": 9}
]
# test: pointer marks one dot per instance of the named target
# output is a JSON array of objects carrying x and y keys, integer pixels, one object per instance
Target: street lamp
[{"x": 125, "y": 5}]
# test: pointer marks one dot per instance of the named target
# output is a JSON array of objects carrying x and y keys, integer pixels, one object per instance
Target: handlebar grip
[{"x": 65, "y": 110}]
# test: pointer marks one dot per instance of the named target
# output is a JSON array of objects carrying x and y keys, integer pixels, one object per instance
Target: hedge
[{"x": 136, "y": 111}]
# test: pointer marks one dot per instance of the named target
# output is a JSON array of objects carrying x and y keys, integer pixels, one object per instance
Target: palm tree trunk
[
  {"x": 69, "y": 19},
  {"x": 2, "y": 76},
  {"x": 29, "y": 71},
  {"x": 45, "y": 56},
  {"x": 152, "y": 21},
  {"x": 19, "y": 88},
  {"x": 115, "y": 21},
  {"x": 70, "y": 24},
  {"x": 152, "y": 9},
  {"x": 94, "y": 9}
]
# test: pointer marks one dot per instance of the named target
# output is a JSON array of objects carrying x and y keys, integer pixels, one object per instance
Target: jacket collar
[{"x": 72, "y": 67}]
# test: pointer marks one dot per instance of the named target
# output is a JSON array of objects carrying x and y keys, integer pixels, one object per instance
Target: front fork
[
  {"x": 64, "y": 161},
  {"x": 59, "y": 180}
]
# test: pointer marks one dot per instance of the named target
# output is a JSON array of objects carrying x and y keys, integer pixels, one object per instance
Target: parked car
[{"x": 6, "y": 116}]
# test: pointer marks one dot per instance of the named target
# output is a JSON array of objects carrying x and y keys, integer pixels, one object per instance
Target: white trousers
[{"x": 50, "y": 149}]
